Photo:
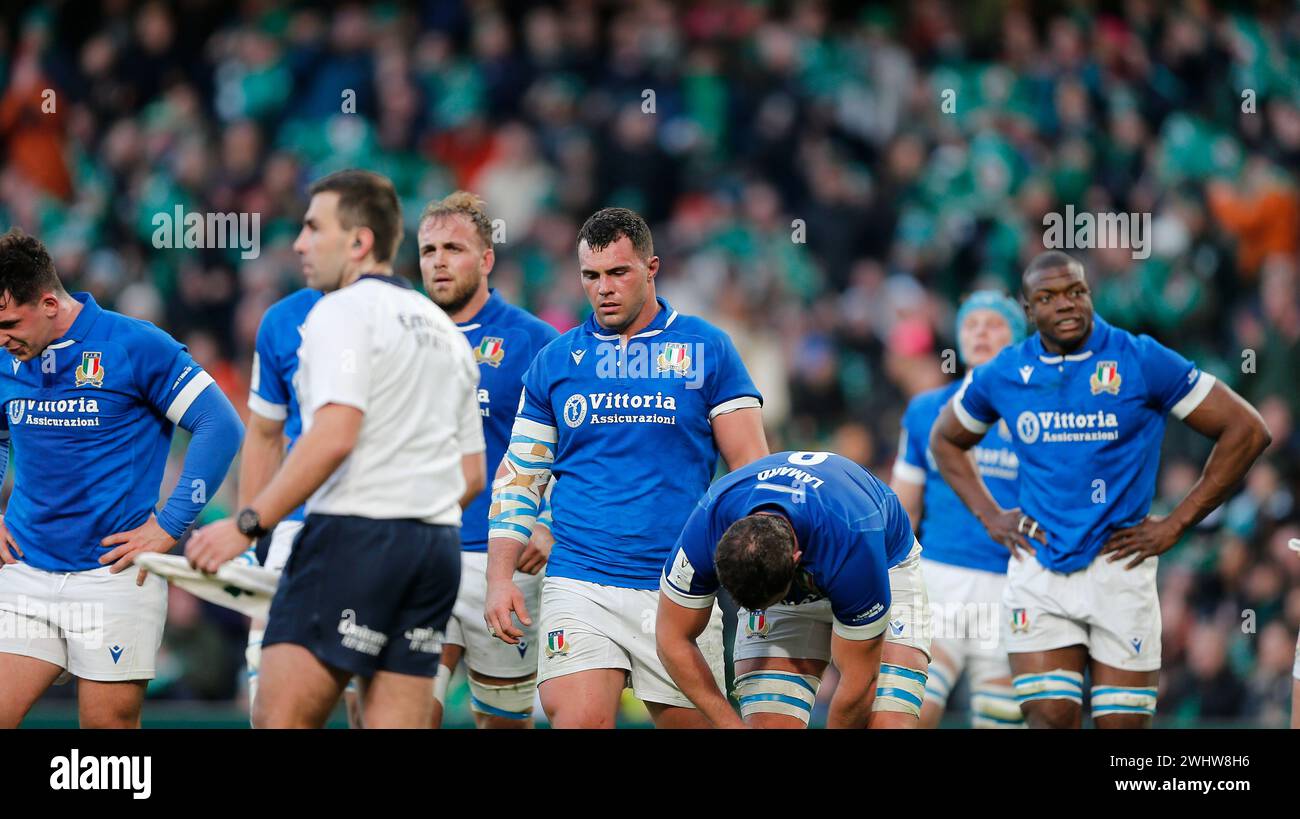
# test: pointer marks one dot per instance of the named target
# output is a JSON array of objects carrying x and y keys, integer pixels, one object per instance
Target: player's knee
[
  {"x": 1118, "y": 706},
  {"x": 506, "y": 703},
  {"x": 994, "y": 706},
  {"x": 1050, "y": 699},
  {"x": 900, "y": 690},
  {"x": 777, "y": 693}
]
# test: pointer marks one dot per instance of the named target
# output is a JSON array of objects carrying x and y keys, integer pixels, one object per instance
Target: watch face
[{"x": 248, "y": 521}]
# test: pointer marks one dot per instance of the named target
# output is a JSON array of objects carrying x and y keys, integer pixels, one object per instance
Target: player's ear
[
  {"x": 489, "y": 259},
  {"x": 653, "y": 266},
  {"x": 49, "y": 305}
]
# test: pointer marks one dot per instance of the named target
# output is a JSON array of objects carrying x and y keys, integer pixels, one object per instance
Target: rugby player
[
  {"x": 386, "y": 386},
  {"x": 629, "y": 412},
  {"x": 964, "y": 569},
  {"x": 1087, "y": 403},
  {"x": 456, "y": 256},
  {"x": 821, "y": 558},
  {"x": 92, "y": 398}
]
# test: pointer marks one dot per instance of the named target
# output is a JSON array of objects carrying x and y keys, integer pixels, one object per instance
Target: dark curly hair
[
  {"x": 606, "y": 225},
  {"x": 26, "y": 271},
  {"x": 755, "y": 561}
]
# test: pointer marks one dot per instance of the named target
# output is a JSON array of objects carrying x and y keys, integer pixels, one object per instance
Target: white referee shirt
[{"x": 388, "y": 350}]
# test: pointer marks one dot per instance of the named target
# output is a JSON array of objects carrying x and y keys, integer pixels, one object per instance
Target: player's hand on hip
[
  {"x": 1017, "y": 531},
  {"x": 1153, "y": 536},
  {"x": 216, "y": 544},
  {"x": 538, "y": 551},
  {"x": 503, "y": 599},
  {"x": 8, "y": 546},
  {"x": 148, "y": 537}
]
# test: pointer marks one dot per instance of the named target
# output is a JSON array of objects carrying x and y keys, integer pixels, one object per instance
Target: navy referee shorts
[{"x": 366, "y": 595}]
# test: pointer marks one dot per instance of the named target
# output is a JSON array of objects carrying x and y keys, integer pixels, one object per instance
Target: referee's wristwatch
[{"x": 250, "y": 523}]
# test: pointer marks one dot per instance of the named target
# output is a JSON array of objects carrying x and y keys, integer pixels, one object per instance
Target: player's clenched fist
[
  {"x": 503, "y": 599},
  {"x": 1015, "y": 530},
  {"x": 8, "y": 546}
]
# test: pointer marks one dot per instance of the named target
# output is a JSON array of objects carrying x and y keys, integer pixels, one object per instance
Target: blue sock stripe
[
  {"x": 903, "y": 671},
  {"x": 1101, "y": 710},
  {"x": 899, "y": 694},
  {"x": 790, "y": 678},
  {"x": 1112, "y": 690},
  {"x": 1049, "y": 695},
  {"x": 795, "y": 701},
  {"x": 493, "y": 711}
]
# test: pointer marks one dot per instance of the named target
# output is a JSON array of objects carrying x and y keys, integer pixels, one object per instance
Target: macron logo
[
  {"x": 17, "y": 364},
  {"x": 116, "y": 651},
  {"x": 577, "y": 356},
  {"x": 1025, "y": 372},
  {"x": 102, "y": 773}
]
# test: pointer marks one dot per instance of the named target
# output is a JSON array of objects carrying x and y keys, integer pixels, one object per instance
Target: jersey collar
[
  {"x": 1096, "y": 340},
  {"x": 90, "y": 313},
  {"x": 486, "y": 314},
  {"x": 666, "y": 316},
  {"x": 395, "y": 280}
]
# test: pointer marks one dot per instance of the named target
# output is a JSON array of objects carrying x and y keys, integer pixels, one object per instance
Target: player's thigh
[
  {"x": 583, "y": 699},
  {"x": 110, "y": 704},
  {"x": 789, "y": 668},
  {"x": 392, "y": 700},
  {"x": 487, "y": 656},
  {"x": 583, "y": 666},
  {"x": 1047, "y": 697},
  {"x": 297, "y": 689},
  {"x": 23, "y": 680},
  {"x": 511, "y": 706}
]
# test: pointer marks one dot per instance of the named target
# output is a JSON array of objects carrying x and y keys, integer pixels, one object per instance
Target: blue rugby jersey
[
  {"x": 275, "y": 360},
  {"x": 91, "y": 421},
  {"x": 850, "y": 527},
  {"x": 948, "y": 530},
  {"x": 505, "y": 339},
  {"x": 1087, "y": 428},
  {"x": 635, "y": 440}
]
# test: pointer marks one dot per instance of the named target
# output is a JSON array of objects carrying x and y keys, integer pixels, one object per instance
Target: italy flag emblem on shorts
[
  {"x": 1019, "y": 620},
  {"x": 757, "y": 625},
  {"x": 556, "y": 644}
]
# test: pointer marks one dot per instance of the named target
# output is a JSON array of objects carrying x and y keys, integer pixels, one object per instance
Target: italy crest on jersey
[
  {"x": 757, "y": 624},
  {"x": 675, "y": 356},
  {"x": 556, "y": 644},
  {"x": 1019, "y": 620},
  {"x": 1106, "y": 379},
  {"x": 490, "y": 351},
  {"x": 91, "y": 371}
]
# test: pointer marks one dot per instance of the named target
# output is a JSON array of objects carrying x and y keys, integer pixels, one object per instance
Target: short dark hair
[
  {"x": 366, "y": 200},
  {"x": 604, "y": 227},
  {"x": 755, "y": 561},
  {"x": 1047, "y": 260},
  {"x": 26, "y": 271}
]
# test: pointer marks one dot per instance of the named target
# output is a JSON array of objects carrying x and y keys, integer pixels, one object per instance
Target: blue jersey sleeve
[
  {"x": 730, "y": 387},
  {"x": 1170, "y": 378},
  {"x": 535, "y": 400},
  {"x": 973, "y": 403},
  {"x": 689, "y": 578},
  {"x": 215, "y": 435},
  {"x": 167, "y": 377},
  {"x": 268, "y": 394},
  {"x": 859, "y": 593}
]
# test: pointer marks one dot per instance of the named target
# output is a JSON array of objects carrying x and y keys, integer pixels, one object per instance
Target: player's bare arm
[
  {"x": 858, "y": 662},
  {"x": 319, "y": 452},
  {"x": 676, "y": 630},
  {"x": 951, "y": 444},
  {"x": 740, "y": 436},
  {"x": 474, "y": 467},
  {"x": 9, "y": 549},
  {"x": 261, "y": 456},
  {"x": 505, "y": 552},
  {"x": 912, "y": 496},
  {"x": 1240, "y": 437}
]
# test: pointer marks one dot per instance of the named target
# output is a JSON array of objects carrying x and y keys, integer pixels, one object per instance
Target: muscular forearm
[
  {"x": 852, "y": 701},
  {"x": 1232, "y": 456},
  {"x": 686, "y": 665},
  {"x": 309, "y": 464},
  {"x": 258, "y": 461},
  {"x": 503, "y": 557},
  {"x": 959, "y": 472}
]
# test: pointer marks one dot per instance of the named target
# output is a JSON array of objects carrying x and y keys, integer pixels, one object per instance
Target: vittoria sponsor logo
[
  {"x": 576, "y": 408},
  {"x": 1057, "y": 427},
  {"x": 33, "y": 413}
]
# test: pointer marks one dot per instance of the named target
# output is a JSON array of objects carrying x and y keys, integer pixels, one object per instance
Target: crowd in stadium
[{"x": 809, "y": 190}]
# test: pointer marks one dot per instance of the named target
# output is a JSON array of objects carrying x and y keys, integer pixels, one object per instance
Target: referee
[{"x": 387, "y": 388}]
